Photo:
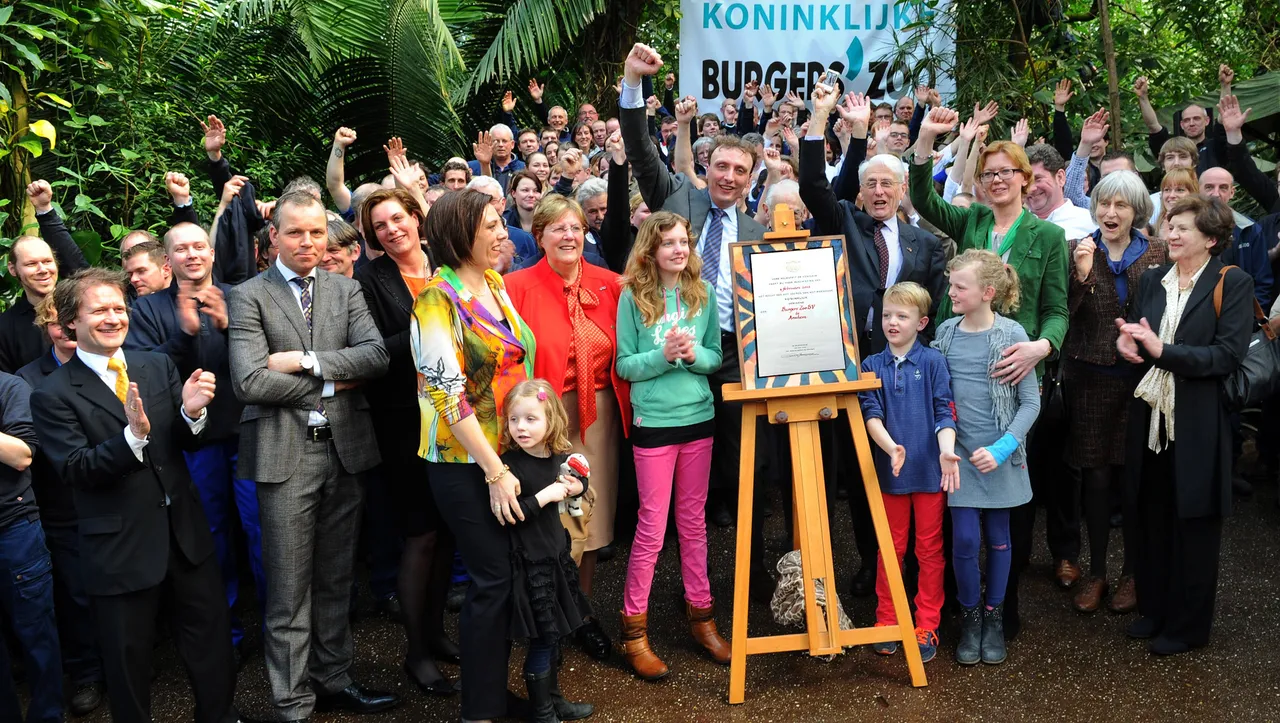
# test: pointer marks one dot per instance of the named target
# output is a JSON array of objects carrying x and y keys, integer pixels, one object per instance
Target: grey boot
[
  {"x": 993, "y": 650},
  {"x": 968, "y": 650}
]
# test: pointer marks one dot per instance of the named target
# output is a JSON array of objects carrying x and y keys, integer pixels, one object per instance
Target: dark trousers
[
  {"x": 225, "y": 498},
  {"x": 463, "y": 498},
  {"x": 1176, "y": 570},
  {"x": 193, "y": 596},
  {"x": 26, "y": 597},
  {"x": 80, "y": 659},
  {"x": 378, "y": 533}
]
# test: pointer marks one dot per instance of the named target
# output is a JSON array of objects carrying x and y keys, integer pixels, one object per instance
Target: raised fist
[
  {"x": 642, "y": 60},
  {"x": 41, "y": 195}
]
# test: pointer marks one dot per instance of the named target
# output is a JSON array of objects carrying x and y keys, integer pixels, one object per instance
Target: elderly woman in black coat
[{"x": 1179, "y": 437}]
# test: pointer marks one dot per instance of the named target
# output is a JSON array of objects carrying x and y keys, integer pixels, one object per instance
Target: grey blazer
[
  {"x": 663, "y": 190},
  {"x": 265, "y": 318}
]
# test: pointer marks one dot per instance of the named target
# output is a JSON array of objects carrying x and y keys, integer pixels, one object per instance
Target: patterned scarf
[
  {"x": 1156, "y": 387},
  {"x": 586, "y": 338}
]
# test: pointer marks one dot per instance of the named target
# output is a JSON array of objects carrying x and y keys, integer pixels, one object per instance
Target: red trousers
[{"x": 928, "y": 508}]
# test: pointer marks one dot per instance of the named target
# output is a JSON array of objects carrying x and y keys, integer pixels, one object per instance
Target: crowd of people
[{"x": 420, "y": 371}]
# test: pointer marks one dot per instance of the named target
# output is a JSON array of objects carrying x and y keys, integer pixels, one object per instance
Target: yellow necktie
[{"x": 122, "y": 377}]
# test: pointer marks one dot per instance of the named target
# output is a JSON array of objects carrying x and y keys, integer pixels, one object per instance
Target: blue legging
[
  {"x": 538, "y": 659},
  {"x": 966, "y": 541}
]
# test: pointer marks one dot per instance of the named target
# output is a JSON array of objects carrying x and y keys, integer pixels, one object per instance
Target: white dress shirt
[
  {"x": 1074, "y": 221},
  {"x": 316, "y": 419},
  {"x": 892, "y": 241},
  {"x": 98, "y": 363}
]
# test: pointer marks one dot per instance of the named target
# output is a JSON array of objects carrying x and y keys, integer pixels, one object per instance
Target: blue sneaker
[
  {"x": 886, "y": 648},
  {"x": 928, "y": 641}
]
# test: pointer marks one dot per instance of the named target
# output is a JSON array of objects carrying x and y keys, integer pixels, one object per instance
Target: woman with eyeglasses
[
  {"x": 572, "y": 308},
  {"x": 1036, "y": 249}
]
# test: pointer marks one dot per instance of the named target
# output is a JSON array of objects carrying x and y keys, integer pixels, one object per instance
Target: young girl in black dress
[{"x": 547, "y": 603}]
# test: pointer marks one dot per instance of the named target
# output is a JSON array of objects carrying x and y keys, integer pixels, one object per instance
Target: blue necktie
[{"x": 711, "y": 247}]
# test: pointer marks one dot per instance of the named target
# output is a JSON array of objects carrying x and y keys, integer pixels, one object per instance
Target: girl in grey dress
[{"x": 992, "y": 421}]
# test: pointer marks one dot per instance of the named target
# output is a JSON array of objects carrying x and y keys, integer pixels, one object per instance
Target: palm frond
[{"x": 529, "y": 33}]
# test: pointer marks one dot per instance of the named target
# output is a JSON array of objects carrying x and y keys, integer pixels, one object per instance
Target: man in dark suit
[
  {"x": 301, "y": 340},
  {"x": 188, "y": 322},
  {"x": 114, "y": 426},
  {"x": 881, "y": 252},
  {"x": 36, "y": 264},
  {"x": 76, "y": 633},
  {"x": 715, "y": 222}
]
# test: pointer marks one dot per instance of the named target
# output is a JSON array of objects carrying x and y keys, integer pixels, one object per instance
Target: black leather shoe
[
  {"x": 1143, "y": 628},
  {"x": 442, "y": 686},
  {"x": 356, "y": 698},
  {"x": 593, "y": 640},
  {"x": 388, "y": 606},
  {"x": 86, "y": 699},
  {"x": 606, "y": 553},
  {"x": 864, "y": 583}
]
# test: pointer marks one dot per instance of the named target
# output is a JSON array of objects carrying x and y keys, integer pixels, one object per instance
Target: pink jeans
[{"x": 686, "y": 468}]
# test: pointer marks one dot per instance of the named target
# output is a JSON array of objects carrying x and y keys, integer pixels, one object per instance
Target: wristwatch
[{"x": 307, "y": 362}]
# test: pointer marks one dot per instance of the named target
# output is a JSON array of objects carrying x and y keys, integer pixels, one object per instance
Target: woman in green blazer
[{"x": 1037, "y": 250}]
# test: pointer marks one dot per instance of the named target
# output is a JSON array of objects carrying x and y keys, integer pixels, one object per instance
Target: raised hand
[
  {"x": 856, "y": 110},
  {"x": 686, "y": 110},
  {"x": 794, "y": 100},
  {"x": 1230, "y": 115},
  {"x": 343, "y": 138},
  {"x": 215, "y": 136},
  {"x": 789, "y": 137},
  {"x": 617, "y": 87},
  {"x": 571, "y": 163},
  {"x": 767, "y": 96},
  {"x": 508, "y": 102},
  {"x": 482, "y": 149},
  {"x": 179, "y": 188},
  {"x": 1225, "y": 75},
  {"x": 749, "y": 91},
  {"x": 613, "y": 144},
  {"x": 652, "y": 104},
  {"x": 969, "y": 129},
  {"x": 536, "y": 91},
  {"x": 824, "y": 98},
  {"x": 197, "y": 392},
  {"x": 1021, "y": 130},
  {"x": 641, "y": 61},
  {"x": 1062, "y": 94},
  {"x": 265, "y": 208},
  {"x": 1141, "y": 87},
  {"x": 1083, "y": 257},
  {"x": 670, "y": 81},
  {"x": 986, "y": 113},
  {"x": 135, "y": 414},
  {"x": 408, "y": 175},
  {"x": 395, "y": 147},
  {"x": 40, "y": 193},
  {"x": 231, "y": 189},
  {"x": 773, "y": 161},
  {"x": 1095, "y": 128},
  {"x": 939, "y": 121}
]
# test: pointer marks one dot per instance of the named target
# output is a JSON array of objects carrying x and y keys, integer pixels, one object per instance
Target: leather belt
[{"x": 320, "y": 434}]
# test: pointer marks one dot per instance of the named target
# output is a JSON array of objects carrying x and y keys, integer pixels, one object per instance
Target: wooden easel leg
[
  {"x": 883, "y": 536},
  {"x": 742, "y": 558}
]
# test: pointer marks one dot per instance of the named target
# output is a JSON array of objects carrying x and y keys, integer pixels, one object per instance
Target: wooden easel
[{"x": 801, "y": 408}]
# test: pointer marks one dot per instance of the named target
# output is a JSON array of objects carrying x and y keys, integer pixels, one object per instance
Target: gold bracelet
[{"x": 498, "y": 476}]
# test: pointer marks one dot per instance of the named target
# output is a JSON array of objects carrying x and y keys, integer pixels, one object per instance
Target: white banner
[{"x": 725, "y": 44}]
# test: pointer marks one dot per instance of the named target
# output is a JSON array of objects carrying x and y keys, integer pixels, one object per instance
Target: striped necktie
[{"x": 711, "y": 247}]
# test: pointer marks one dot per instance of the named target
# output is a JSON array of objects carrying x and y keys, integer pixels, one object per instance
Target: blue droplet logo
[{"x": 854, "y": 56}]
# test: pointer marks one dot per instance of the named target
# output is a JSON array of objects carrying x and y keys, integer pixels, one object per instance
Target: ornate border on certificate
[{"x": 744, "y": 313}]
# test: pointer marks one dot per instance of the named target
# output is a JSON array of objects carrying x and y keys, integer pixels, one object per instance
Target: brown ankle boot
[
  {"x": 702, "y": 623},
  {"x": 634, "y": 646}
]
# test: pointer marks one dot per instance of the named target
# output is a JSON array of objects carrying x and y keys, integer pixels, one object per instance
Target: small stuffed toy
[{"x": 575, "y": 466}]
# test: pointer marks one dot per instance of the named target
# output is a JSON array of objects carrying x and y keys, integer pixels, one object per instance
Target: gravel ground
[{"x": 1064, "y": 666}]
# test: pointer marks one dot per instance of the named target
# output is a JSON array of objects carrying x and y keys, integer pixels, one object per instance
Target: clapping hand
[
  {"x": 1143, "y": 334},
  {"x": 1126, "y": 346},
  {"x": 197, "y": 392},
  {"x": 134, "y": 413},
  {"x": 215, "y": 136}
]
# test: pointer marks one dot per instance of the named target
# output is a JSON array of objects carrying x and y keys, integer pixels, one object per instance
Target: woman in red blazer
[{"x": 572, "y": 308}]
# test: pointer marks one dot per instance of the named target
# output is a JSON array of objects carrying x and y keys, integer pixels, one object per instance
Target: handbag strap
[{"x": 1258, "y": 313}]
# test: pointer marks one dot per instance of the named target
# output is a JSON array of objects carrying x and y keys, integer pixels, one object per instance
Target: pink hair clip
[{"x": 542, "y": 395}]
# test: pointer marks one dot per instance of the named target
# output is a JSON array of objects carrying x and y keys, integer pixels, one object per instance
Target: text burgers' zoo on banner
[{"x": 724, "y": 45}]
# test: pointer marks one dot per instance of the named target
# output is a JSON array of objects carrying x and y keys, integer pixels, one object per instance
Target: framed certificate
[{"x": 793, "y": 312}]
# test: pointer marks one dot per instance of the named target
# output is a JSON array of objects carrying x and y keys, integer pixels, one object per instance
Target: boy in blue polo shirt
[{"x": 911, "y": 419}]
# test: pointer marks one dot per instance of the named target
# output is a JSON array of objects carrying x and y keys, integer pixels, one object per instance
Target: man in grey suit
[
  {"x": 301, "y": 341},
  {"x": 715, "y": 221}
]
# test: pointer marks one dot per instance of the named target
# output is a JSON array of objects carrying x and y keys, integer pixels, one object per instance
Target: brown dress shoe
[
  {"x": 634, "y": 646},
  {"x": 1126, "y": 598},
  {"x": 1089, "y": 599},
  {"x": 702, "y": 623},
  {"x": 1067, "y": 574}
]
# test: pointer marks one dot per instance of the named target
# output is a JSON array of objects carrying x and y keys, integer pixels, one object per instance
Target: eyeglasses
[
  {"x": 574, "y": 229},
  {"x": 1005, "y": 174},
  {"x": 899, "y": 136}
]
